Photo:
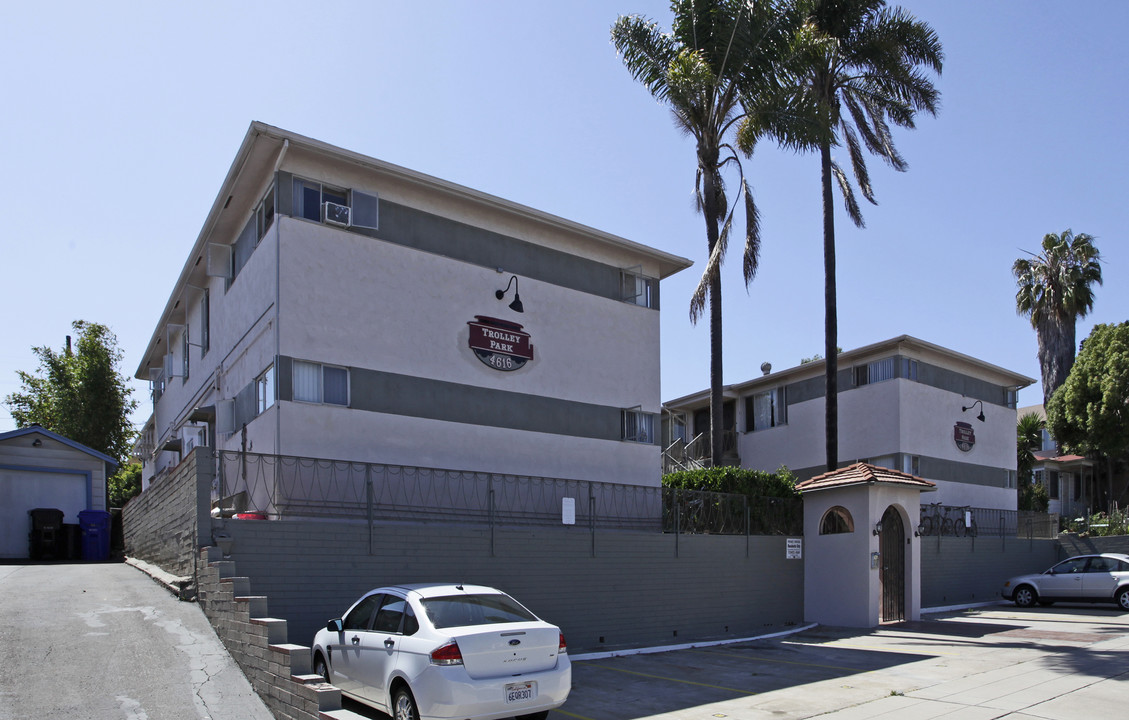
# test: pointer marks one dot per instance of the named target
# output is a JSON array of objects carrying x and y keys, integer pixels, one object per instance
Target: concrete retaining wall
[
  {"x": 959, "y": 571},
  {"x": 168, "y": 522},
  {"x": 631, "y": 590}
]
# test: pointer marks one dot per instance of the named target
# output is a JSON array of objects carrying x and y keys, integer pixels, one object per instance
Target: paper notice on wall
[
  {"x": 794, "y": 550},
  {"x": 568, "y": 511}
]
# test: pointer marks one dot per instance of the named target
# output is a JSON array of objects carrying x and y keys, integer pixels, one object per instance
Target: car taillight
[
  {"x": 447, "y": 655},
  {"x": 563, "y": 647}
]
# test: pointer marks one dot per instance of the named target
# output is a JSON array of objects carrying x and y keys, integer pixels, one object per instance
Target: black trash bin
[
  {"x": 46, "y": 538},
  {"x": 95, "y": 535}
]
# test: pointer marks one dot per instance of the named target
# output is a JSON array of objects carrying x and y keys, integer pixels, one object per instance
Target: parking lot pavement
[{"x": 1058, "y": 663}]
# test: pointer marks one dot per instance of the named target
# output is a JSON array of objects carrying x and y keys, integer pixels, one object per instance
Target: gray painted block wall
[
  {"x": 634, "y": 592},
  {"x": 959, "y": 571}
]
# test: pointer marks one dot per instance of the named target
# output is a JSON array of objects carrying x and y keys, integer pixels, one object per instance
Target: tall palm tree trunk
[
  {"x": 830, "y": 322},
  {"x": 712, "y": 212},
  {"x": 1056, "y": 353}
]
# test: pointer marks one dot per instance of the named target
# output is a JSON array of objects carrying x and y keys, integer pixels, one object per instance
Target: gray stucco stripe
[
  {"x": 927, "y": 374},
  {"x": 442, "y": 236},
  {"x": 935, "y": 469},
  {"x": 395, "y": 394}
]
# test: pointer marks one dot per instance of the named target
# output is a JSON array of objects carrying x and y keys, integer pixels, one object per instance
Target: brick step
[{"x": 340, "y": 715}]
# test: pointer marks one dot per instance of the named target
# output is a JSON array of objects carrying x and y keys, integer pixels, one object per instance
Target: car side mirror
[{"x": 335, "y": 626}]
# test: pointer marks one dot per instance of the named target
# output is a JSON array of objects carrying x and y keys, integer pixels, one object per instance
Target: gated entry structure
[{"x": 862, "y": 558}]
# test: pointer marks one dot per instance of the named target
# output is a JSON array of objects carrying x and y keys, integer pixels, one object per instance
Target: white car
[
  {"x": 1086, "y": 578},
  {"x": 419, "y": 652}
]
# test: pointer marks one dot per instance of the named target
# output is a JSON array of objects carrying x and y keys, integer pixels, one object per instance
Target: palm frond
[
  {"x": 849, "y": 202},
  {"x": 858, "y": 163},
  {"x": 751, "y": 259}
]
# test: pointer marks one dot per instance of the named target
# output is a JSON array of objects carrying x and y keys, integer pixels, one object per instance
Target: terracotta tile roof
[{"x": 863, "y": 474}]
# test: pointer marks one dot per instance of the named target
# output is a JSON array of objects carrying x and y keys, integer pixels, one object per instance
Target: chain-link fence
[{"x": 295, "y": 487}]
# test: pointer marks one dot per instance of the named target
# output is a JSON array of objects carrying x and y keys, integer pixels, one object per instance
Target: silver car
[
  {"x": 1086, "y": 578},
  {"x": 429, "y": 652}
]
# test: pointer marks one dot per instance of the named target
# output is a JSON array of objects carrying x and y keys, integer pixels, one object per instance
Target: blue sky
[{"x": 121, "y": 120}]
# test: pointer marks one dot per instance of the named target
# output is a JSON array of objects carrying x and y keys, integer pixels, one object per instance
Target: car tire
[
  {"x": 404, "y": 705},
  {"x": 320, "y": 668},
  {"x": 1025, "y": 596},
  {"x": 1123, "y": 598},
  {"x": 534, "y": 716}
]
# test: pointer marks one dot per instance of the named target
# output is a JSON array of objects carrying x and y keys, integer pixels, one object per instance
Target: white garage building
[{"x": 41, "y": 469}]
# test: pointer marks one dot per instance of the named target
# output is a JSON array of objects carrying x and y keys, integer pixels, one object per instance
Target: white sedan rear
[{"x": 459, "y": 652}]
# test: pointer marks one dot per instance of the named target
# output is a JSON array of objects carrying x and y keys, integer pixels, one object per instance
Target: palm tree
[
  {"x": 716, "y": 51},
  {"x": 1055, "y": 288},
  {"x": 859, "y": 66}
]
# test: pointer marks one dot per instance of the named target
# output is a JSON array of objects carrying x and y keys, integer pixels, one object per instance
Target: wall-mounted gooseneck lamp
[
  {"x": 979, "y": 417},
  {"x": 878, "y": 528},
  {"x": 516, "y": 305}
]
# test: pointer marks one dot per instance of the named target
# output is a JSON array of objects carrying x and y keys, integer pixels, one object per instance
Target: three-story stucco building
[{"x": 337, "y": 306}]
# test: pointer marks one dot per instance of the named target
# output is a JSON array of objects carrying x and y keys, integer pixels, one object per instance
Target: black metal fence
[
  {"x": 294, "y": 487},
  {"x": 964, "y": 521}
]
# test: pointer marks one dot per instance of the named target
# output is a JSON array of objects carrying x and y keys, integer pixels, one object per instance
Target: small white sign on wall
[
  {"x": 568, "y": 511},
  {"x": 795, "y": 549}
]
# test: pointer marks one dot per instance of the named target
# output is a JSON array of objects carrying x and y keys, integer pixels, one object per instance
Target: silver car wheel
[
  {"x": 404, "y": 706},
  {"x": 1123, "y": 598},
  {"x": 1025, "y": 596}
]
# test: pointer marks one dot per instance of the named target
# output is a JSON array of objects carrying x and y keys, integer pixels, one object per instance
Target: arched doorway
[{"x": 892, "y": 559}]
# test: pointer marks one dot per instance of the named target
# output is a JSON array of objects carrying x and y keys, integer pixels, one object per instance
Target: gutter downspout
[{"x": 278, "y": 298}]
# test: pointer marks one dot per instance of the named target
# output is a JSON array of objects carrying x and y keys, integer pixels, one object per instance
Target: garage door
[{"x": 21, "y": 491}]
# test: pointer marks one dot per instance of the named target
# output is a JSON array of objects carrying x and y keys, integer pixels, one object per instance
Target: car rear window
[{"x": 461, "y": 610}]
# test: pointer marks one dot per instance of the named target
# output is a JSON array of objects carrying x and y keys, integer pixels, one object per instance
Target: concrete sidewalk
[{"x": 1059, "y": 663}]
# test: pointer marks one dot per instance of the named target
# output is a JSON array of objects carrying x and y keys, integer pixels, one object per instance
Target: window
[
  {"x": 317, "y": 383},
  {"x": 874, "y": 372},
  {"x": 205, "y": 323},
  {"x": 636, "y": 288},
  {"x": 185, "y": 345},
  {"x": 911, "y": 464},
  {"x": 264, "y": 214},
  {"x": 311, "y": 196},
  {"x": 909, "y": 369},
  {"x": 360, "y": 617},
  {"x": 265, "y": 390},
  {"x": 1012, "y": 476},
  {"x": 836, "y": 521},
  {"x": 766, "y": 409},
  {"x": 1012, "y": 397},
  {"x": 638, "y": 426},
  {"x": 465, "y": 610},
  {"x": 1052, "y": 484}
]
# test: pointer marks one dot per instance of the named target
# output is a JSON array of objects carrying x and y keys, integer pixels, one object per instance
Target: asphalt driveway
[{"x": 104, "y": 641}]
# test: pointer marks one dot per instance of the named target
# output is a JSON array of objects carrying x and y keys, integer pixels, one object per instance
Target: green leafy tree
[
  {"x": 1028, "y": 439},
  {"x": 716, "y": 55},
  {"x": 79, "y": 393},
  {"x": 859, "y": 67},
  {"x": 125, "y": 484},
  {"x": 1089, "y": 413},
  {"x": 1055, "y": 288}
]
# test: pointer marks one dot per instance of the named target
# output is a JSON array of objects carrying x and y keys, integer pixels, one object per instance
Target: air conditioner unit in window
[{"x": 337, "y": 214}]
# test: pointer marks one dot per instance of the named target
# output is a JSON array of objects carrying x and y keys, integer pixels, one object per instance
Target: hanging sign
[
  {"x": 964, "y": 436},
  {"x": 499, "y": 343}
]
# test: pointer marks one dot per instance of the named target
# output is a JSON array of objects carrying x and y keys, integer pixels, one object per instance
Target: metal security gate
[{"x": 892, "y": 556}]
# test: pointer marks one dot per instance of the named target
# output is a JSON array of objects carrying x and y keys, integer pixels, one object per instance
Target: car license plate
[{"x": 520, "y": 692}]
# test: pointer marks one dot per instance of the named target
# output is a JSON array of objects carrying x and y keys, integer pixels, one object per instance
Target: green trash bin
[{"x": 95, "y": 526}]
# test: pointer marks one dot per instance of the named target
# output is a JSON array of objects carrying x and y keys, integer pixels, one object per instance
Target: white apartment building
[
  {"x": 337, "y": 306},
  {"x": 904, "y": 404}
]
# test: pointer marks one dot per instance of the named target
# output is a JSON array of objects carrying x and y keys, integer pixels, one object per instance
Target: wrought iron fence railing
[
  {"x": 965, "y": 521},
  {"x": 296, "y": 487}
]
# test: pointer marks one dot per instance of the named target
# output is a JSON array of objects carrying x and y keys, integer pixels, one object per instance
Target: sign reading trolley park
[
  {"x": 499, "y": 344},
  {"x": 964, "y": 436}
]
